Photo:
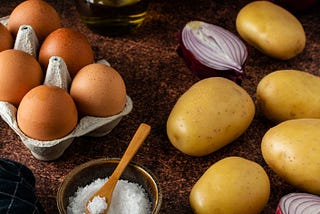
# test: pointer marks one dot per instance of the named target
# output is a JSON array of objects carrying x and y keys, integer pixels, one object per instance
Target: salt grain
[{"x": 127, "y": 198}]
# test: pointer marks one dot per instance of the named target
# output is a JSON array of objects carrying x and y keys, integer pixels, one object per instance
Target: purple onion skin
[
  {"x": 202, "y": 71},
  {"x": 278, "y": 210},
  {"x": 298, "y": 203}
]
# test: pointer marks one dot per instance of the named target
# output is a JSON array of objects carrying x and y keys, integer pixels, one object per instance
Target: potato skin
[
  {"x": 289, "y": 94},
  {"x": 271, "y": 29},
  {"x": 231, "y": 185},
  {"x": 291, "y": 149},
  {"x": 209, "y": 115}
]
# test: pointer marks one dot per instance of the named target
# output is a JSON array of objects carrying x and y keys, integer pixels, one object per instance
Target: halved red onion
[
  {"x": 210, "y": 50},
  {"x": 299, "y": 203}
]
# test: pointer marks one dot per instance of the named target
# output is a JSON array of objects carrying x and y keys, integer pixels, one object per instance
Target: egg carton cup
[
  {"x": 4, "y": 20},
  {"x": 57, "y": 74}
]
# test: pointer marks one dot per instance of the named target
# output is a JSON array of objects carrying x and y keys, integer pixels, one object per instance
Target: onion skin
[
  {"x": 299, "y": 203},
  {"x": 223, "y": 51},
  {"x": 278, "y": 211}
]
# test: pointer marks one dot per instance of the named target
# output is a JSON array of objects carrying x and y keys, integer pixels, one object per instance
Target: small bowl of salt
[{"x": 137, "y": 191}]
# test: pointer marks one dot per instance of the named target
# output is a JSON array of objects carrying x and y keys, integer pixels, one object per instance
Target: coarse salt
[
  {"x": 127, "y": 198},
  {"x": 97, "y": 205}
]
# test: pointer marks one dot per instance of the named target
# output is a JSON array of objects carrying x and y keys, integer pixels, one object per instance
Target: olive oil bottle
[{"x": 112, "y": 17}]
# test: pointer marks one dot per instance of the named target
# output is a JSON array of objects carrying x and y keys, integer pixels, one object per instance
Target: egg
[
  {"x": 47, "y": 113},
  {"x": 6, "y": 41},
  {"x": 69, "y": 44},
  {"x": 39, "y": 14},
  {"x": 98, "y": 90},
  {"x": 19, "y": 73}
]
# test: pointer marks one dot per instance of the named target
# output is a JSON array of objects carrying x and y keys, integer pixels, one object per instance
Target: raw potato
[
  {"x": 289, "y": 94},
  {"x": 271, "y": 29},
  {"x": 291, "y": 149},
  {"x": 231, "y": 185},
  {"x": 211, "y": 114}
]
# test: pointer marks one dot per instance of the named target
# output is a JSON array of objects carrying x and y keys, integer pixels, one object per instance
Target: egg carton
[{"x": 57, "y": 74}]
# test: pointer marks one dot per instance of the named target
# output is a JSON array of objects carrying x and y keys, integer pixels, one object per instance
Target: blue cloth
[{"x": 17, "y": 189}]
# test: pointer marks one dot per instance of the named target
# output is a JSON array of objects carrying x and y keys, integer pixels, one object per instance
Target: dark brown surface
[{"x": 155, "y": 77}]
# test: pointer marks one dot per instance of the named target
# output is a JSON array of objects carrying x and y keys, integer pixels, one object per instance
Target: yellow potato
[
  {"x": 289, "y": 94},
  {"x": 292, "y": 149},
  {"x": 212, "y": 113},
  {"x": 231, "y": 185},
  {"x": 271, "y": 29}
]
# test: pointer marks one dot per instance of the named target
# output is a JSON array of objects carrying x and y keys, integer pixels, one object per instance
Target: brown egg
[
  {"x": 47, "y": 113},
  {"x": 19, "y": 73},
  {"x": 69, "y": 44},
  {"x": 6, "y": 41},
  {"x": 39, "y": 14},
  {"x": 98, "y": 90}
]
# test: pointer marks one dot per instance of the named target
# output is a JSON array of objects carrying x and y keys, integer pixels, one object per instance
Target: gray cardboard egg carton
[{"x": 58, "y": 75}]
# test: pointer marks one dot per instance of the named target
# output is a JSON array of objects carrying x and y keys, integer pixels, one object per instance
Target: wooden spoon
[{"x": 107, "y": 189}]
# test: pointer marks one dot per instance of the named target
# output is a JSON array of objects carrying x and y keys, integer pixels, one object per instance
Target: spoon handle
[{"x": 137, "y": 140}]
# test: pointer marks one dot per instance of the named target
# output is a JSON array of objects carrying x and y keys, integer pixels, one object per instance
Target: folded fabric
[{"x": 17, "y": 189}]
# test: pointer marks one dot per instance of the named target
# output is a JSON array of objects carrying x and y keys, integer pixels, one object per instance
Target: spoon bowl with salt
[{"x": 106, "y": 190}]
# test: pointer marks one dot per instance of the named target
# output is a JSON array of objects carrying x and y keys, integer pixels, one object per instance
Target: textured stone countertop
[{"x": 155, "y": 77}]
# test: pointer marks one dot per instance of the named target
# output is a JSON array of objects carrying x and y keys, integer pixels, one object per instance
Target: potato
[
  {"x": 289, "y": 94},
  {"x": 209, "y": 115},
  {"x": 231, "y": 185},
  {"x": 271, "y": 29},
  {"x": 291, "y": 149}
]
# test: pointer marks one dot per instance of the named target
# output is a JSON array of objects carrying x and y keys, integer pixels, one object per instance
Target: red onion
[
  {"x": 299, "y": 203},
  {"x": 210, "y": 50}
]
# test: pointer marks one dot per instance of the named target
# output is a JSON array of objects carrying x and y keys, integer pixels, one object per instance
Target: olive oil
[{"x": 112, "y": 17}]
